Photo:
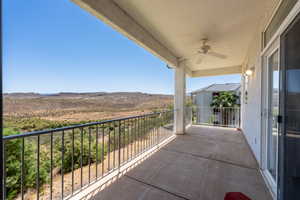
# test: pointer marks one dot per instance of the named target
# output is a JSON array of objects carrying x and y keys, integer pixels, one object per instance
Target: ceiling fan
[{"x": 205, "y": 50}]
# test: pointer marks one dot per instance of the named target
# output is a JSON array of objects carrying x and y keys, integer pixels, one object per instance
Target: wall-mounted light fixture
[{"x": 249, "y": 72}]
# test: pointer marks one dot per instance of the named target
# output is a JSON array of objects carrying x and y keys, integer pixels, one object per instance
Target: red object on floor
[{"x": 236, "y": 196}]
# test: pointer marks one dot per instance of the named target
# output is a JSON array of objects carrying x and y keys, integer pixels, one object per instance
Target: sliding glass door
[
  {"x": 273, "y": 104},
  {"x": 289, "y": 159},
  {"x": 270, "y": 111}
]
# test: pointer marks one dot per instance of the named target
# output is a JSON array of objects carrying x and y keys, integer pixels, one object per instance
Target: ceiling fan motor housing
[{"x": 205, "y": 48}]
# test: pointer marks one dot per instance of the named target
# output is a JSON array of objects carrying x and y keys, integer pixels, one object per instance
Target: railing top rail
[
  {"x": 42, "y": 132},
  {"x": 236, "y": 107}
]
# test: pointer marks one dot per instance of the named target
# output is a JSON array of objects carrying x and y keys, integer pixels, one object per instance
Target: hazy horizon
[{"x": 103, "y": 91}]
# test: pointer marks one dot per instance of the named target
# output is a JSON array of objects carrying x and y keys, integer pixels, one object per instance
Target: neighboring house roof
[{"x": 220, "y": 88}]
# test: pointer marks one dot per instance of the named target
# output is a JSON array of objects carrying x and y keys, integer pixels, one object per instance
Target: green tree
[{"x": 224, "y": 99}]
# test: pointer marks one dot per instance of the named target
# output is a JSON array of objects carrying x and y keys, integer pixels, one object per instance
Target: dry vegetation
[
  {"x": 25, "y": 112},
  {"x": 76, "y": 107}
]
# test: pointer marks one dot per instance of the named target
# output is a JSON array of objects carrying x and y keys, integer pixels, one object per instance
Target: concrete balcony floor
[{"x": 204, "y": 164}]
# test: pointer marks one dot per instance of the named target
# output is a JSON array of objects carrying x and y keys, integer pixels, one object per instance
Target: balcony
[
  {"x": 135, "y": 158},
  {"x": 204, "y": 164}
]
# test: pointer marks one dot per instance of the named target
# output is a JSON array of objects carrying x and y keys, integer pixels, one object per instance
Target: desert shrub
[
  {"x": 13, "y": 165},
  {"x": 23, "y": 124},
  {"x": 68, "y": 148}
]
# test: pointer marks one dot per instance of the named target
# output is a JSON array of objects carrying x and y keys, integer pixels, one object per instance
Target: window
[{"x": 281, "y": 13}]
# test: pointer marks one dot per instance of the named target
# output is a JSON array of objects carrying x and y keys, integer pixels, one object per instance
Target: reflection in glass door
[
  {"x": 272, "y": 134},
  {"x": 289, "y": 159}
]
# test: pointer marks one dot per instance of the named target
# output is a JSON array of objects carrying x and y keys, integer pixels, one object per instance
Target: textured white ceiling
[{"x": 181, "y": 24}]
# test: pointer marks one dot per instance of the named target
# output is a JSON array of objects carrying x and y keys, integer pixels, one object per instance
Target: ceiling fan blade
[{"x": 217, "y": 55}]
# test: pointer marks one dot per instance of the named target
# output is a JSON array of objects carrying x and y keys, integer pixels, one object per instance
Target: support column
[{"x": 179, "y": 100}]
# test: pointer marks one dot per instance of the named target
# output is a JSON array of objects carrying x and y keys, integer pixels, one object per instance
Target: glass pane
[
  {"x": 292, "y": 111},
  {"x": 274, "y": 108},
  {"x": 283, "y": 10}
]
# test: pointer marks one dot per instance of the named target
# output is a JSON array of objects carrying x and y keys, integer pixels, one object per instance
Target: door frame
[
  {"x": 266, "y": 101},
  {"x": 279, "y": 193}
]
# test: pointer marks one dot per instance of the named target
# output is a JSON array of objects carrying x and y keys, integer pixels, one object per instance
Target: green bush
[
  {"x": 68, "y": 148},
  {"x": 224, "y": 99},
  {"x": 13, "y": 165}
]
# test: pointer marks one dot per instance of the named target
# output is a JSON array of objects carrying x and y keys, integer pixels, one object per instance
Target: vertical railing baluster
[
  {"x": 135, "y": 136},
  {"x": 108, "y": 160},
  {"x": 153, "y": 133},
  {"x": 148, "y": 131},
  {"x": 114, "y": 153},
  {"x": 144, "y": 132},
  {"x": 51, "y": 164},
  {"x": 81, "y": 157},
  {"x": 231, "y": 116},
  {"x": 163, "y": 118},
  {"x": 151, "y": 130},
  {"x": 119, "y": 145},
  {"x": 239, "y": 111},
  {"x": 226, "y": 117},
  {"x": 4, "y": 168},
  {"x": 159, "y": 127},
  {"x": 62, "y": 163},
  {"x": 22, "y": 168},
  {"x": 124, "y": 143},
  {"x": 131, "y": 139},
  {"x": 102, "y": 151},
  {"x": 89, "y": 158},
  {"x": 140, "y": 135},
  {"x": 127, "y": 139},
  {"x": 38, "y": 169},
  {"x": 222, "y": 116},
  {"x": 97, "y": 160},
  {"x": 164, "y": 121},
  {"x": 73, "y": 147},
  {"x": 155, "y": 128}
]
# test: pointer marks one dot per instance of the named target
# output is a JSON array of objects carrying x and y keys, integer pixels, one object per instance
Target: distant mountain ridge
[{"x": 68, "y": 94}]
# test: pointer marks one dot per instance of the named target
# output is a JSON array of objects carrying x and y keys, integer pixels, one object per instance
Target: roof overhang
[{"x": 173, "y": 29}]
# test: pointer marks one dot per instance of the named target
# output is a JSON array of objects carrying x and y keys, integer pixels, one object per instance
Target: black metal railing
[
  {"x": 54, "y": 164},
  {"x": 215, "y": 116}
]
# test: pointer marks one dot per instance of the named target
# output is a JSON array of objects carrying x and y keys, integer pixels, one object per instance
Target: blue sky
[{"x": 55, "y": 46}]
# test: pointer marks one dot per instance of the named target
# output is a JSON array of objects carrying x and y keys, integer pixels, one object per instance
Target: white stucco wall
[{"x": 251, "y": 109}]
